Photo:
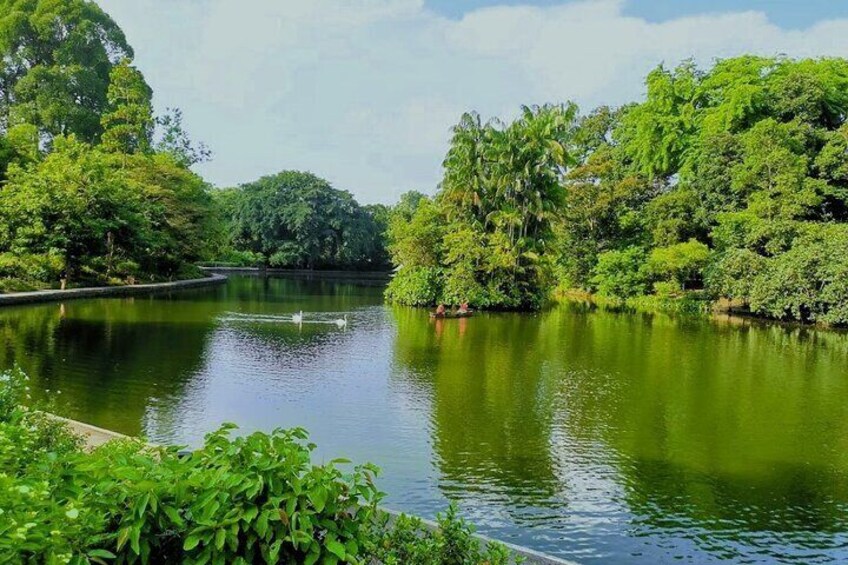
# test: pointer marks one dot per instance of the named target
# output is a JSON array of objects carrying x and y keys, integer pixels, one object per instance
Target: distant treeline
[
  {"x": 726, "y": 183},
  {"x": 297, "y": 220}
]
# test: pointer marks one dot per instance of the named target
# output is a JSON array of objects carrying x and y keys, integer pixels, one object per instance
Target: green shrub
[
  {"x": 803, "y": 279},
  {"x": 682, "y": 263},
  {"x": 621, "y": 274},
  {"x": 416, "y": 286},
  {"x": 29, "y": 271},
  {"x": 407, "y": 541},
  {"x": 242, "y": 500},
  {"x": 667, "y": 289}
]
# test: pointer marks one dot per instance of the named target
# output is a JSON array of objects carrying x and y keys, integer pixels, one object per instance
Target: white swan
[
  {"x": 342, "y": 322},
  {"x": 298, "y": 318}
]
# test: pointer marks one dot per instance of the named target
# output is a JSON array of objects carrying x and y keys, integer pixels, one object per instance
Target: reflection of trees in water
[
  {"x": 316, "y": 293},
  {"x": 727, "y": 427},
  {"x": 490, "y": 411},
  {"x": 110, "y": 359},
  {"x": 116, "y": 359},
  {"x": 699, "y": 421}
]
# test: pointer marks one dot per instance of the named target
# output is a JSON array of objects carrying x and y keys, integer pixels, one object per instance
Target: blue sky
[
  {"x": 788, "y": 14},
  {"x": 364, "y": 92}
]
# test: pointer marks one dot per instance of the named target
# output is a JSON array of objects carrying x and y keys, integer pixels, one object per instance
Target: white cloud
[{"x": 364, "y": 92}]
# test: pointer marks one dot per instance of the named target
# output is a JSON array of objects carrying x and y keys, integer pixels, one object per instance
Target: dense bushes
[
  {"x": 254, "y": 499},
  {"x": 728, "y": 182},
  {"x": 804, "y": 276},
  {"x": 91, "y": 216}
]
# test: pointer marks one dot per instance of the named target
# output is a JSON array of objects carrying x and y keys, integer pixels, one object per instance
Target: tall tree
[
  {"x": 492, "y": 220},
  {"x": 128, "y": 122},
  {"x": 56, "y": 57}
]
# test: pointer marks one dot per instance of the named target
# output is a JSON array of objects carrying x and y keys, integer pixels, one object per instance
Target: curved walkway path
[{"x": 107, "y": 291}]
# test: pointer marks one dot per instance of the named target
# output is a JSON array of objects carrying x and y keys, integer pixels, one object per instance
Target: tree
[
  {"x": 174, "y": 140},
  {"x": 100, "y": 217},
  {"x": 621, "y": 273},
  {"x": 603, "y": 198},
  {"x": 73, "y": 205},
  {"x": 682, "y": 263},
  {"x": 490, "y": 239},
  {"x": 86, "y": 198},
  {"x": 296, "y": 219},
  {"x": 56, "y": 59},
  {"x": 128, "y": 122}
]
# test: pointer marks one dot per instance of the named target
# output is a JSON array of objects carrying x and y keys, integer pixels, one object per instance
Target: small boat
[{"x": 457, "y": 314}]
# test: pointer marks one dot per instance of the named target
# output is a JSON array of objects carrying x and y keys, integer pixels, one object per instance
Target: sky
[{"x": 364, "y": 92}]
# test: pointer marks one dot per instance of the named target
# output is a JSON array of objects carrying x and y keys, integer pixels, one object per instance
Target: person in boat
[
  {"x": 463, "y": 308},
  {"x": 440, "y": 310}
]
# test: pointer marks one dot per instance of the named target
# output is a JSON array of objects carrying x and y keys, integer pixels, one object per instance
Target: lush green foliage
[
  {"x": 621, "y": 273},
  {"x": 727, "y": 183},
  {"x": 57, "y": 56},
  {"x": 409, "y": 542},
  {"x": 487, "y": 237},
  {"x": 297, "y": 220},
  {"x": 90, "y": 215},
  {"x": 253, "y": 499},
  {"x": 758, "y": 149},
  {"x": 86, "y": 194}
]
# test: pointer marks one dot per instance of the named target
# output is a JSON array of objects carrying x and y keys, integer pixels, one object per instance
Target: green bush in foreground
[{"x": 253, "y": 499}]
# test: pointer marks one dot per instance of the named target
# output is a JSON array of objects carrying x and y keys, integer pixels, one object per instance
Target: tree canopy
[
  {"x": 487, "y": 237},
  {"x": 87, "y": 196},
  {"x": 730, "y": 182},
  {"x": 298, "y": 220},
  {"x": 743, "y": 164},
  {"x": 57, "y": 56}
]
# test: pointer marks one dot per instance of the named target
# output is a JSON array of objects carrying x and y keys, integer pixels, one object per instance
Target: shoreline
[
  {"x": 366, "y": 275},
  {"x": 721, "y": 310},
  {"x": 55, "y": 295}
]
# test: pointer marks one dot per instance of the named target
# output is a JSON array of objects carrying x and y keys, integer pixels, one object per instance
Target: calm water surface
[{"x": 600, "y": 437}]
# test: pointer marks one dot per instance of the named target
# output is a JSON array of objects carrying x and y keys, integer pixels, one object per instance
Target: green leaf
[
  {"x": 173, "y": 514},
  {"x": 336, "y": 548},
  {"x": 318, "y": 497},
  {"x": 123, "y": 536},
  {"x": 311, "y": 557},
  {"x": 191, "y": 542}
]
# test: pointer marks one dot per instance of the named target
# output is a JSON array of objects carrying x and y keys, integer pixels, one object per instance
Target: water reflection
[
  {"x": 604, "y": 437},
  {"x": 700, "y": 440}
]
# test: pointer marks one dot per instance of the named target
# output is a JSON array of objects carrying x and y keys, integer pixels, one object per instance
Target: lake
[{"x": 598, "y": 436}]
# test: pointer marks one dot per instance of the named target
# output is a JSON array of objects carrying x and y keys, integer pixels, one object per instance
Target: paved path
[{"x": 106, "y": 291}]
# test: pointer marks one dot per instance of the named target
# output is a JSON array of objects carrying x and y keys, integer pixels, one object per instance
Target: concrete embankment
[
  {"x": 108, "y": 291},
  {"x": 95, "y": 437}
]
